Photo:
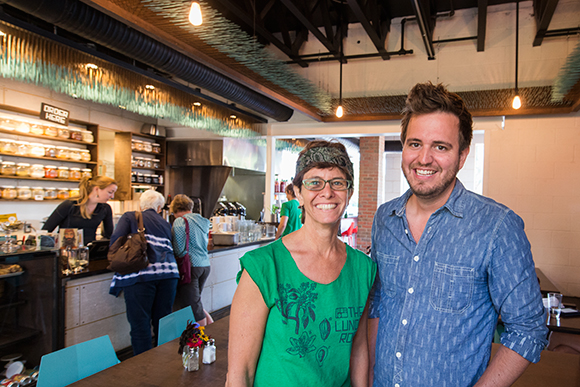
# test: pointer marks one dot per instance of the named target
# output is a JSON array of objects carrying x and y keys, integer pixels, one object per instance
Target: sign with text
[{"x": 54, "y": 114}]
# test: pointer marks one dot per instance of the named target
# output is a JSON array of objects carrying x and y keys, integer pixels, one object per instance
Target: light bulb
[
  {"x": 339, "y": 111},
  {"x": 195, "y": 14},
  {"x": 517, "y": 102}
]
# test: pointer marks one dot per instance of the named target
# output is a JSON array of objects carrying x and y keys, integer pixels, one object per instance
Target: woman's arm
[
  {"x": 281, "y": 226},
  {"x": 57, "y": 217},
  {"x": 359, "y": 357},
  {"x": 178, "y": 237},
  {"x": 108, "y": 222},
  {"x": 248, "y": 317}
]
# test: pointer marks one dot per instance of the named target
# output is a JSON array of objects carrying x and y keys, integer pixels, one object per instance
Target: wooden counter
[{"x": 162, "y": 366}]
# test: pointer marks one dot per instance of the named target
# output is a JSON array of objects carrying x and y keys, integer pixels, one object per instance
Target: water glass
[{"x": 555, "y": 304}]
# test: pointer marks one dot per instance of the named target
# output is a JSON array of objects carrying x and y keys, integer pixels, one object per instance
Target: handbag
[
  {"x": 129, "y": 253},
  {"x": 184, "y": 263}
]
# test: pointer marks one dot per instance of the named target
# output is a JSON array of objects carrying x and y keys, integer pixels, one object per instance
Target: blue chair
[
  {"x": 66, "y": 366},
  {"x": 172, "y": 325}
]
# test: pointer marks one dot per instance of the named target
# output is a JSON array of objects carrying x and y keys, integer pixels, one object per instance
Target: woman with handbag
[
  {"x": 150, "y": 292},
  {"x": 190, "y": 236},
  {"x": 88, "y": 210}
]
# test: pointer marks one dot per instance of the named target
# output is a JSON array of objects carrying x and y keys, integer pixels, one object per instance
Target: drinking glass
[
  {"x": 555, "y": 304},
  {"x": 83, "y": 256}
]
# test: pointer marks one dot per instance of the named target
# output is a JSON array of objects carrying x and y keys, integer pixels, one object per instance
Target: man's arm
[{"x": 504, "y": 369}]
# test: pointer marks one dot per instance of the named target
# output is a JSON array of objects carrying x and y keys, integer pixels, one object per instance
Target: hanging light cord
[{"x": 517, "y": 41}]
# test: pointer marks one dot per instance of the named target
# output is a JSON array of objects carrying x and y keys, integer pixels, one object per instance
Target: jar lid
[
  {"x": 136, "y": 140},
  {"x": 62, "y": 147},
  {"x": 74, "y": 130},
  {"x": 48, "y": 146},
  {"x": 84, "y": 150},
  {"x": 23, "y": 164},
  {"x": 85, "y": 131},
  {"x": 24, "y": 187},
  {"x": 38, "y": 165},
  {"x": 50, "y": 188},
  {"x": 9, "y": 187},
  {"x": 75, "y": 169},
  {"x": 50, "y": 166},
  {"x": 36, "y": 144},
  {"x": 155, "y": 159},
  {"x": 42, "y": 188},
  {"x": 7, "y": 140},
  {"x": 147, "y": 174},
  {"x": 8, "y": 163},
  {"x": 63, "y": 189},
  {"x": 62, "y": 167},
  {"x": 155, "y": 144},
  {"x": 86, "y": 170},
  {"x": 154, "y": 175}
]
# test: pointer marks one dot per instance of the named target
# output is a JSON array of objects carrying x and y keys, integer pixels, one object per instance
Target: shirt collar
[{"x": 455, "y": 204}]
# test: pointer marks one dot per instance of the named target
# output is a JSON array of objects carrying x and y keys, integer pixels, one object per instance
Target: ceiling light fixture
[
  {"x": 517, "y": 102},
  {"x": 197, "y": 104},
  {"x": 92, "y": 66},
  {"x": 195, "y": 14},
  {"x": 339, "y": 109},
  {"x": 233, "y": 117},
  {"x": 150, "y": 87}
]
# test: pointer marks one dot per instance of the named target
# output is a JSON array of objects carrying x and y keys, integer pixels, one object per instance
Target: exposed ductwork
[{"x": 78, "y": 18}]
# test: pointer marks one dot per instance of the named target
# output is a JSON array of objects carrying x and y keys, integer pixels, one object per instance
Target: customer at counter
[
  {"x": 88, "y": 210},
  {"x": 149, "y": 293},
  {"x": 299, "y": 299},
  {"x": 290, "y": 214},
  {"x": 190, "y": 294}
]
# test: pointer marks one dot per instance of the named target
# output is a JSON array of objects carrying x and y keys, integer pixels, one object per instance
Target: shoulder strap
[
  {"x": 139, "y": 218},
  {"x": 186, "y": 235}
]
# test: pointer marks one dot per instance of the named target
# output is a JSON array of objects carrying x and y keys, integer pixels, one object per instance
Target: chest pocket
[
  {"x": 452, "y": 288},
  {"x": 387, "y": 266}
]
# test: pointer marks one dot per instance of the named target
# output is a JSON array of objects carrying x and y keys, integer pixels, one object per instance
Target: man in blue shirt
[{"x": 450, "y": 262}]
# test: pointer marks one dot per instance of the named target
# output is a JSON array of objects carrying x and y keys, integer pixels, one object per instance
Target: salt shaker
[{"x": 209, "y": 352}]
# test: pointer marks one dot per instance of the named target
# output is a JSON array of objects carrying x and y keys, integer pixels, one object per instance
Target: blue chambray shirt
[{"x": 438, "y": 300}]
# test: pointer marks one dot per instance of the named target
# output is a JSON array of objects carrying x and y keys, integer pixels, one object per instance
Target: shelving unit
[
  {"x": 25, "y": 115},
  {"x": 124, "y": 169}
]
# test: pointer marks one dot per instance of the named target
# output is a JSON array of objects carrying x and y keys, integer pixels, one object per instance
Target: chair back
[
  {"x": 172, "y": 325},
  {"x": 66, "y": 366}
]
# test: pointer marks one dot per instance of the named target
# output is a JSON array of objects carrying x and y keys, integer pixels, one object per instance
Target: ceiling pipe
[{"x": 91, "y": 24}]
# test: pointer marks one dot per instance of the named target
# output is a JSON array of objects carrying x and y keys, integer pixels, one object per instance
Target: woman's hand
[{"x": 248, "y": 317}]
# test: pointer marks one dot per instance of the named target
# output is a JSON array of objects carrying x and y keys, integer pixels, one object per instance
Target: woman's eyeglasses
[{"x": 318, "y": 184}]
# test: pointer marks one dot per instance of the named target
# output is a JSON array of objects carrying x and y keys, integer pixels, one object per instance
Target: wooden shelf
[
  {"x": 49, "y": 159},
  {"x": 43, "y": 137},
  {"x": 15, "y": 334},
  {"x": 39, "y": 179}
]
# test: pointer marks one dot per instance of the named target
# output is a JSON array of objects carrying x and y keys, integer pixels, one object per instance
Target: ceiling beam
[
  {"x": 481, "y": 24},
  {"x": 543, "y": 18},
  {"x": 423, "y": 15},
  {"x": 378, "y": 40},
  {"x": 261, "y": 30},
  {"x": 311, "y": 27}
]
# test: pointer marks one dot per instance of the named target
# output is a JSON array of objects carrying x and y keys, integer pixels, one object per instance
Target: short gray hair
[{"x": 151, "y": 199}]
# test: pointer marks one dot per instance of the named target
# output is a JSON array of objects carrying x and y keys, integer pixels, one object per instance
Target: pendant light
[
  {"x": 195, "y": 14},
  {"x": 339, "y": 109},
  {"x": 517, "y": 102}
]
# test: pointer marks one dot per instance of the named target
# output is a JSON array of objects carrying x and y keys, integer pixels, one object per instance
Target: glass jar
[
  {"x": 85, "y": 155},
  {"x": 22, "y": 148},
  {"x": 147, "y": 178},
  {"x": 156, "y": 164},
  {"x": 133, "y": 177},
  {"x": 86, "y": 172},
  {"x": 133, "y": 162},
  {"x": 37, "y": 150},
  {"x": 75, "y": 134},
  {"x": 50, "y": 172},
  {"x": 62, "y": 152},
  {"x": 140, "y": 162},
  {"x": 9, "y": 192},
  {"x": 62, "y": 194},
  {"x": 8, "y": 168},
  {"x": 8, "y": 124},
  {"x": 75, "y": 174},
  {"x": 138, "y": 145},
  {"x": 23, "y": 169},
  {"x": 38, "y": 193},
  {"x": 156, "y": 148},
  {"x": 139, "y": 178},
  {"x": 50, "y": 131},
  {"x": 23, "y": 127},
  {"x": 147, "y": 146},
  {"x": 24, "y": 193},
  {"x": 50, "y": 193},
  {"x": 148, "y": 163},
  {"x": 37, "y": 129},
  {"x": 63, "y": 133},
  {"x": 133, "y": 145},
  {"x": 74, "y": 192},
  {"x": 49, "y": 151},
  {"x": 7, "y": 146},
  {"x": 74, "y": 154},
  {"x": 37, "y": 171},
  {"x": 154, "y": 179},
  {"x": 63, "y": 172},
  {"x": 87, "y": 136}
]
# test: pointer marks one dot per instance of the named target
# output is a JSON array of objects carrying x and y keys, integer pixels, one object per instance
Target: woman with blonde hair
[{"x": 88, "y": 210}]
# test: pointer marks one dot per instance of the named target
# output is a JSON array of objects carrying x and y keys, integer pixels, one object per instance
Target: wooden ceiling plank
[
  {"x": 543, "y": 19},
  {"x": 481, "y": 24}
]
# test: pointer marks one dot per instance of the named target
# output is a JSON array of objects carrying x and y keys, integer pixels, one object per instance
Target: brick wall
[{"x": 371, "y": 186}]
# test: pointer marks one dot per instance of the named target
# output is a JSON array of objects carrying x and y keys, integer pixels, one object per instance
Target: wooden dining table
[{"x": 162, "y": 366}]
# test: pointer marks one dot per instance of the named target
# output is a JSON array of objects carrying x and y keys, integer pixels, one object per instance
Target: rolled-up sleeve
[{"x": 515, "y": 290}]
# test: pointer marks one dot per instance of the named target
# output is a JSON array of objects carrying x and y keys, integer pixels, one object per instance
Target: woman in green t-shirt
[
  {"x": 296, "y": 311},
  {"x": 290, "y": 214}
]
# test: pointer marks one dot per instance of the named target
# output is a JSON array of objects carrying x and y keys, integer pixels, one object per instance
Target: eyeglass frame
[{"x": 348, "y": 183}]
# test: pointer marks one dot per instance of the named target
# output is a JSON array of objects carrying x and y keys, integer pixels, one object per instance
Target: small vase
[{"x": 190, "y": 358}]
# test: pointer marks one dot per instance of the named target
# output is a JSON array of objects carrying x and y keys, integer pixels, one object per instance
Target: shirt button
[
  {"x": 429, "y": 229},
  {"x": 406, "y": 232},
  {"x": 404, "y": 322},
  {"x": 411, "y": 290},
  {"x": 398, "y": 354},
  {"x": 397, "y": 385},
  {"x": 416, "y": 258}
]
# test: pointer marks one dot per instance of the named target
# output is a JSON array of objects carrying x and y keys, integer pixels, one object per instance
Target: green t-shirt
[
  {"x": 291, "y": 210},
  {"x": 310, "y": 327}
]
